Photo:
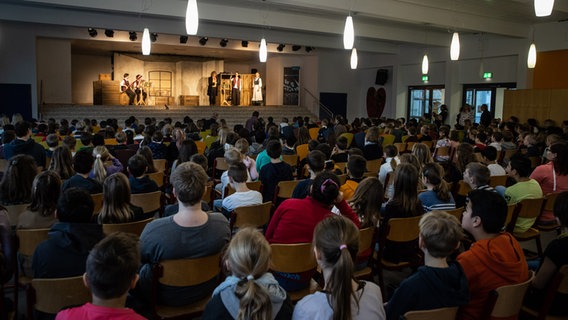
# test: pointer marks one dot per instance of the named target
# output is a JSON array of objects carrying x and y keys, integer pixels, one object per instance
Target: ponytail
[
  {"x": 255, "y": 302},
  {"x": 434, "y": 173},
  {"x": 99, "y": 169},
  {"x": 340, "y": 287}
]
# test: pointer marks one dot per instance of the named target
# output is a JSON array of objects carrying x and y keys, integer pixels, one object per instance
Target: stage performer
[
  {"x": 212, "y": 88},
  {"x": 125, "y": 87},
  {"x": 236, "y": 85},
  {"x": 257, "y": 90},
  {"x": 141, "y": 94}
]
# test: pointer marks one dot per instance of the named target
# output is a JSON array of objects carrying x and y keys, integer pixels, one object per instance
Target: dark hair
[
  {"x": 434, "y": 173},
  {"x": 274, "y": 149},
  {"x": 188, "y": 148},
  {"x": 325, "y": 148},
  {"x": 238, "y": 172},
  {"x": 62, "y": 162},
  {"x": 490, "y": 153},
  {"x": 52, "y": 140},
  {"x": 561, "y": 161},
  {"x": 146, "y": 152},
  {"x": 21, "y": 128},
  {"x": 465, "y": 156},
  {"x": 337, "y": 241},
  {"x": 86, "y": 138},
  {"x": 356, "y": 166},
  {"x": 366, "y": 201},
  {"x": 561, "y": 208},
  {"x": 316, "y": 161},
  {"x": 199, "y": 159},
  {"x": 16, "y": 184},
  {"x": 479, "y": 172},
  {"x": 137, "y": 165},
  {"x": 406, "y": 188},
  {"x": 521, "y": 164},
  {"x": 188, "y": 180},
  {"x": 342, "y": 143},
  {"x": 75, "y": 205},
  {"x": 490, "y": 207},
  {"x": 325, "y": 188},
  {"x": 83, "y": 162},
  {"x": 45, "y": 192},
  {"x": 112, "y": 265}
]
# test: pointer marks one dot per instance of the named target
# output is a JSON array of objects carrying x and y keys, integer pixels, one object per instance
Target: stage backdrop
[{"x": 291, "y": 86}]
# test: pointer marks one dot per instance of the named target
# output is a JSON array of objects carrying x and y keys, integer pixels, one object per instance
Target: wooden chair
[
  {"x": 429, "y": 144},
  {"x": 348, "y": 136},
  {"x": 252, "y": 185},
  {"x": 220, "y": 164},
  {"x": 558, "y": 285},
  {"x": 111, "y": 142},
  {"x": 404, "y": 138},
  {"x": 98, "y": 201},
  {"x": 374, "y": 165},
  {"x": 129, "y": 227},
  {"x": 14, "y": 212},
  {"x": 535, "y": 161},
  {"x": 463, "y": 188},
  {"x": 183, "y": 273},
  {"x": 442, "y": 152},
  {"x": 495, "y": 181},
  {"x": 549, "y": 206},
  {"x": 341, "y": 166},
  {"x": 398, "y": 230},
  {"x": 506, "y": 301},
  {"x": 208, "y": 195},
  {"x": 388, "y": 139},
  {"x": 528, "y": 209},
  {"x": 366, "y": 241},
  {"x": 256, "y": 216},
  {"x": 160, "y": 164},
  {"x": 291, "y": 159},
  {"x": 201, "y": 146},
  {"x": 294, "y": 258},
  {"x": 157, "y": 177},
  {"x": 510, "y": 211},
  {"x": 410, "y": 145},
  {"x": 314, "y": 133},
  {"x": 284, "y": 189},
  {"x": 401, "y": 147},
  {"x": 3, "y": 165},
  {"x": 457, "y": 212},
  {"x": 123, "y": 155},
  {"x": 52, "y": 295},
  {"x": 149, "y": 202},
  {"x": 506, "y": 155},
  {"x": 438, "y": 314},
  {"x": 302, "y": 151},
  {"x": 342, "y": 178}
]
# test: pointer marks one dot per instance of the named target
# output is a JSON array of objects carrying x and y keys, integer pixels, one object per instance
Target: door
[
  {"x": 478, "y": 94},
  {"x": 423, "y": 100}
]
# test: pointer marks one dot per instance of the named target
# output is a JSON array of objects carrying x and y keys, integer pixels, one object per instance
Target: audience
[
  {"x": 24, "y": 144},
  {"x": 83, "y": 164},
  {"x": 316, "y": 165},
  {"x": 16, "y": 183},
  {"x": 366, "y": 202},
  {"x": 105, "y": 164},
  {"x": 356, "y": 167},
  {"x": 46, "y": 188},
  {"x": 274, "y": 171},
  {"x": 139, "y": 181},
  {"x": 116, "y": 202},
  {"x": 437, "y": 195},
  {"x": 62, "y": 162},
  {"x": 243, "y": 196}
]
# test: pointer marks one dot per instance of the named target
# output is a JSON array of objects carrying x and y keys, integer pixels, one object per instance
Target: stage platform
[{"x": 232, "y": 114}]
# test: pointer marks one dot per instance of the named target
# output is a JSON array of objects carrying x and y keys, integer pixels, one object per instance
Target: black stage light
[
  {"x": 92, "y": 32},
  {"x": 183, "y": 39},
  {"x": 132, "y": 36},
  {"x": 223, "y": 42},
  {"x": 280, "y": 47},
  {"x": 308, "y": 49},
  {"x": 244, "y": 43},
  {"x": 203, "y": 41},
  {"x": 109, "y": 33},
  {"x": 296, "y": 47},
  {"x": 153, "y": 37}
]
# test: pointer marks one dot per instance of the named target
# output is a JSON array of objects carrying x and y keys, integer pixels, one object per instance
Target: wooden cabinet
[{"x": 185, "y": 100}]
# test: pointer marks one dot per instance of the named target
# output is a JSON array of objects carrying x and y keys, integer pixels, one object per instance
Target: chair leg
[
  {"x": 381, "y": 281},
  {"x": 538, "y": 246}
]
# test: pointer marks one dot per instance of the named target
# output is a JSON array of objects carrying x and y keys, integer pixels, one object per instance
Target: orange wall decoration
[{"x": 551, "y": 70}]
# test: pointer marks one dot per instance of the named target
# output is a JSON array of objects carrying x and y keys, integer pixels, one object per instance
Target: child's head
[
  {"x": 75, "y": 205},
  {"x": 391, "y": 151},
  {"x": 52, "y": 140},
  {"x": 238, "y": 172},
  {"x": 274, "y": 149},
  {"x": 356, "y": 166},
  {"x": 200, "y": 160},
  {"x": 112, "y": 266},
  {"x": 489, "y": 153},
  {"x": 440, "y": 233},
  {"x": 232, "y": 156},
  {"x": 342, "y": 143},
  {"x": 189, "y": 180},
  {"x": 83, "y": 162},
  {"x": 137, "y": 165},
  {"x": 325, "y": 188},
  {"x": 316, "y": 161}
]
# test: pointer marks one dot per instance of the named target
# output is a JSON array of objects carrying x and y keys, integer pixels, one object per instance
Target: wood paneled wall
[{"x": 540, "y": 104}]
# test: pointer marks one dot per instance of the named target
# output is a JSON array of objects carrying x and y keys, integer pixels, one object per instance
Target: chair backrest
[
  {"x": 506, "y": 301},
  {"x": 111, "y": 142},
  {"x": 129, "y": 227},
  {"x": 341, "y": 166},
  {"x": 400, "y": 146},
  {"x": 510, "y": 212},
  {"x": 366, "y": 238},
  {"x": 220, "y": 164},
  {"x": 252, "y": 185},
  {"x": 160, "y": 164},
  {"x": 495, "y": 181},
  {"x": 314, "y": 133},
  {"x": 530, "y": 208},
  {"x": 302, "y": 151},
  {"x": 292, "y": 258},
  {"x": 410, "y": 145},
  {"x": 29, "y": 239},
  {"x": 457, "y": 212},
  {"x": 149, "y": 202},
  {"x": 388, "y": 139},
  {"x": 403, "y": 229},
  {"x": 374, "y": 165},
  {"x": 348, "y": 136},
  {"x": 188, "y": 272},
  {"x": 51, "y": 295},
  {"x": 3, "y": 165},
  {"x": 535, "y": 161},
  {"x": 201, "y": 146},
  {"x": 123, "y": 155},
  {"x": 438, "y": 314},
  {"x": 291, "y": 159},
  {"x": 157, "y": 177},
  {"x": 14, "y": 212},
  {"x": 442, "y": 152},
  {"x": 429, "y": 144},
  {"x": 342, "y": 178},
  {"x": 550, "y": 199},
  {"x": 256, "y": 215},
  {"x": 463, "y": 188},
  {"x": 98, "y": 201},
  {"x": 284, "y": 189},
  {"x": 507, "y": 154}
]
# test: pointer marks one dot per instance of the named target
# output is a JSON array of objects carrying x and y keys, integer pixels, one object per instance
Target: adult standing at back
[
  {"x": 257, "y": 90},
  {"x": 236, "y": 85},
  {"x": 24, "y": 144}
]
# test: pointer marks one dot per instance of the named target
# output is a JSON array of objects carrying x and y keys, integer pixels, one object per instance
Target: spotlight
[
  {"x": 133, "y": 36},
  {"x": 280, "y": 47},
  {"x": 203, "y": 41},
  {"x": 153, "y": 37},
  {"x": 244, "y": 43},
  {"x": 224, "y": 42},
  {"x": 296, "y": 47},
  {"x": 183, "y": 39},
  {"x": 109, "y": 33},
  {"x": 308, "y": 49},
  {"x": 92, "y": 32}
]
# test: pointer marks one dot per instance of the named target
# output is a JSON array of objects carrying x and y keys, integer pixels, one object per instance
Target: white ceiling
[{"x": 382, "y": 26}]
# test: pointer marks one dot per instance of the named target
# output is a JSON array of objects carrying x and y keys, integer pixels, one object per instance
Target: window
[
  {"x": 160, "y": 83},
  {"x": 478, "y": 94},
  {"x": 423, "y": 100}
]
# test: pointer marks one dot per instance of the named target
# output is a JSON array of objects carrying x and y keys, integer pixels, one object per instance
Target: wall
[
  {"x": 84, "y": 70},
  {"x": 550, "y": 70},
  {"x": 54, "y": 70}
]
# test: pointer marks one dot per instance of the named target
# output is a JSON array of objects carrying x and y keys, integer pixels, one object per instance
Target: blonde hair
[
  {"x": 116, "y": 200},
  {"x": 248, "y": 255},
  {"x": 441, "y": 233},
  {"x": 101, "y": 155}
]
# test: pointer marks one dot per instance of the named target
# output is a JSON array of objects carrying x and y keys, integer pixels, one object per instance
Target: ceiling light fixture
[
  {"x": 191, "y": 17},
  {"x": 132, "y": 36},
  {"x": 531, "y": 59},
  {"x": 223, "y": 42},
  {"x": 280, "y": 47},
  {"x": 425, "y": 64},
  {"x": 109, "y": 33},
  {"x": 354, "y": 59},
  {"x": 92, "y": 32},
  {"x": 153, "y": 37},
  {"x": 146, "y": 43},
  {"x": 348, "y": 33},
  {"x": 543, "y": 8},
  {"x": 203, "y": 41},
  {"x": 263, "y": 51},
  {"x": 455, "y": 47}
]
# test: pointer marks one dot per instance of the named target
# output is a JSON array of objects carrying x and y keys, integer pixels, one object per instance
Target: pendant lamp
[
  {"x": 531, "y": 60},
  {"x": 263, "y": 52},
  {"x": 543, "y": 8},
  {"x": 455, "y": 47},
  {"x": 348, "y": 34},
  {"x": 146, "y": 43},
  {"x": 354, "y": 59},
  {"x": 191, "y": 17},
  {"x": 425, "y": 64}
]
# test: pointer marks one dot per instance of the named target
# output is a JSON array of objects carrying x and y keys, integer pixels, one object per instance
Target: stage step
[{"x": 232, "y": 114}]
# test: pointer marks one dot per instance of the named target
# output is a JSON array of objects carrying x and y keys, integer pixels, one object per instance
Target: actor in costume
[
  {"x": 257, "y": 90},
  {"x": 212, "y": 88},
  {"x": 141, "y": 94},
  {"x": 125, "y": 87},
  {"x": 236, "y": 85}
]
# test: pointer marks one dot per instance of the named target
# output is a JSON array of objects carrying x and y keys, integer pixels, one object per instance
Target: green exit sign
[
  {"x": 424, "y": 78},
  {"x": 487, "y": 75}
]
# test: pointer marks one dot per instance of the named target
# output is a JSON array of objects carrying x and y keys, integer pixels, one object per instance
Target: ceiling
[{"x": 382, "y": 26}]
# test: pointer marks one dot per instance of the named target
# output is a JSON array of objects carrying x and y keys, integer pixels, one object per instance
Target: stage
[{"x": 232, "y": 114}]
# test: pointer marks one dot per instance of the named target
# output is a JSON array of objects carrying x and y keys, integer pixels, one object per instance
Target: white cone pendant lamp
[
  {"x": 146, "y": 43},
  {"x": 263, "y": 51},
  {"x": 543, "y": 8},
  {"x": 425, "y": 64},
  {"x": 455, "y": 47},
  {"x": 191, "y": 17},
  {"x": 354, "y": 59},
  {"x": 348, "y": 34},
  {"x": 531, "y": 60}
]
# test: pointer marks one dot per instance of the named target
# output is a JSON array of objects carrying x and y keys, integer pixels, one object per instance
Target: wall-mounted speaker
[{"x": 382, "y": 77}]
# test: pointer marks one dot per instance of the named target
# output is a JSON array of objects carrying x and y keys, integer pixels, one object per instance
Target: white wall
[{"x": 84, "y": 70}]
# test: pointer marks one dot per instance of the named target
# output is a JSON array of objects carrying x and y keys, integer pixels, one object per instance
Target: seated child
[
  {"x": 243, "y": 195},
  {"x": 356, "y": 167},
  {"x": 139, "y": 181}
]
